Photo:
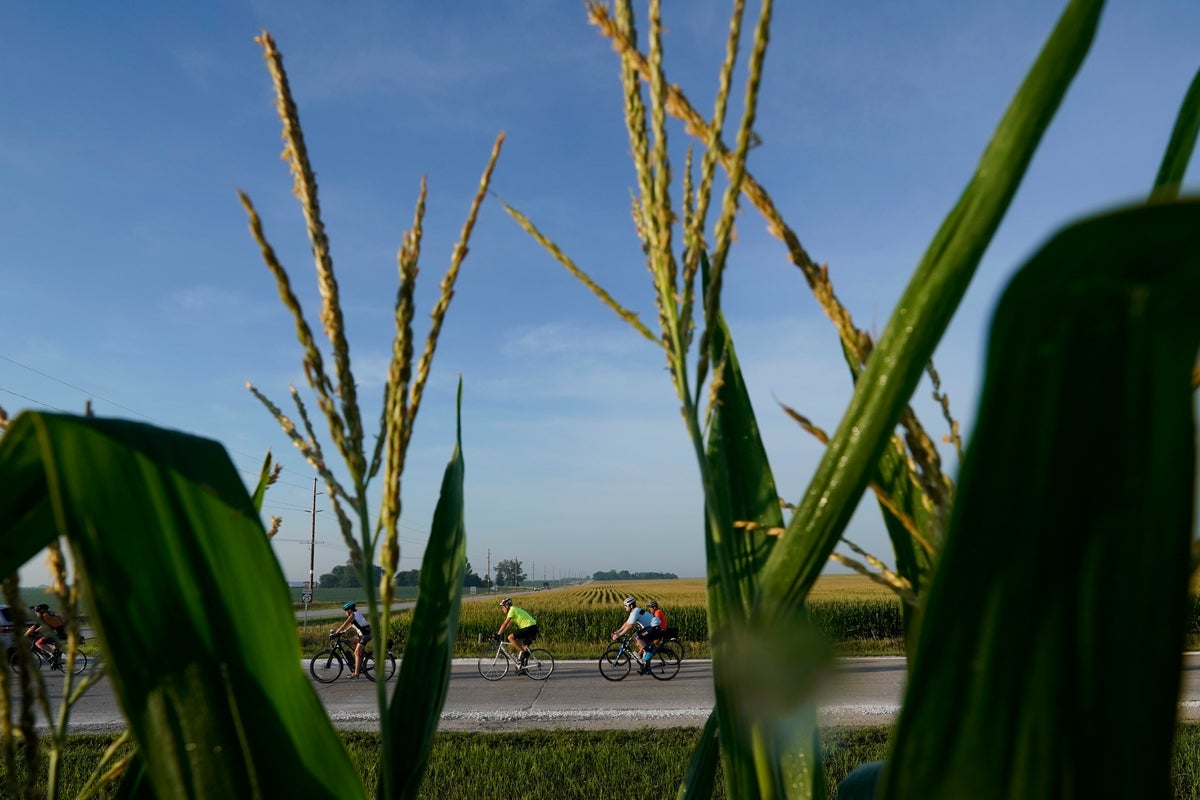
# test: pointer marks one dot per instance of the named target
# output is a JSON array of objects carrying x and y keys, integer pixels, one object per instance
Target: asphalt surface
[{"x": 859, "y": 691}]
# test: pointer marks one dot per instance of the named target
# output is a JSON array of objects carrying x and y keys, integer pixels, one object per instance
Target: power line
[
  {"x": 283, "y": 505},
  {"x": 30, "y": 399},
  {"x": 78, "y": 389},
  {"x": 94, "y": 395}
]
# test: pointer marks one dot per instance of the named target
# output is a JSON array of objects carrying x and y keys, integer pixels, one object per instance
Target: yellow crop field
[
  {"x": 849, "y": 587},
  {"x": 669, "y": 593},
  {"x": 577, "y": 620}
]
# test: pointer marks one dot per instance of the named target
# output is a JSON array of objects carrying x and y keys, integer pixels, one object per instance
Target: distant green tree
[
  {"x": 410, "y": 577},
  {"x": 509, "y": 572},
  {"x": 471, "y": 577},
  {"x": 343, "y": 576},
  {"x": 626, "y": 575}
]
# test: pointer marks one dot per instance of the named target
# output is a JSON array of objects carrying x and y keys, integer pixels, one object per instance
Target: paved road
[{"x": 859, "y": 691}]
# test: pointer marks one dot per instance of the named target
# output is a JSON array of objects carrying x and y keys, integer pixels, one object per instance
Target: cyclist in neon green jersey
[{"x": 525, "y": 629}]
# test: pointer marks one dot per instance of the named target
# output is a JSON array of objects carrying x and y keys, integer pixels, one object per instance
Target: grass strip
[{"x": 588, "y": 764}]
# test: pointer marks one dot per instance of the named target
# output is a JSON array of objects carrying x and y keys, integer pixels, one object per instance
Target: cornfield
[{"x": 844, "y": 608}]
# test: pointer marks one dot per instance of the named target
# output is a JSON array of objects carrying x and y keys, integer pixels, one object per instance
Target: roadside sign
[{"x": 306, "y": 598}]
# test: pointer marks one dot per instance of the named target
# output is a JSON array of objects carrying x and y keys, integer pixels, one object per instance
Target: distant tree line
[
  {"x": 626, "y": 575},
  {"x": 343, "y": 576}
]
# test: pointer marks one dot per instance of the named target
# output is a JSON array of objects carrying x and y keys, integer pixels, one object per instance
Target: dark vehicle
[{"x": 6, "y": 627}]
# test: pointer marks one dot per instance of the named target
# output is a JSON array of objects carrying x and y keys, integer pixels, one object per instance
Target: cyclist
[
  {"x": 650, "y": 629},
  {"x": 56, "y": 628},
  {"x": 525, "y": 630},
  {"x": 656, "y": 611},
  {"x": 362, "y": 634}
]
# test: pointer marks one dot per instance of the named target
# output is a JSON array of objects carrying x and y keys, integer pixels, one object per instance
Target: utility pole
[
  {"x": 489, "y": 571},
  {"x": 312, "y": 544},
  {"x": 312, "y": 550}
]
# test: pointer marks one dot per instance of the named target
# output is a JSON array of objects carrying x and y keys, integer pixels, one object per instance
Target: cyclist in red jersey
[{"x": 656, "y": 611}]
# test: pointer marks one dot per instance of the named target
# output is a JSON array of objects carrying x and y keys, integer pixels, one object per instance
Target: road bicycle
[
  {"x": 388, "y": 665},
  {"x": 617, "y": 661},
  {"x": 56, "y": 662},
  {"x": 327, "y": 665},
  {"x": 494, "y": 664},
  {"x": 671, "y": 637}
]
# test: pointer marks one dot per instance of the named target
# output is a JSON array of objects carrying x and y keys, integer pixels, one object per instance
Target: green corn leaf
[
  {"x": 27, "y": 521},
  {"x": 736, "y": 453},
  {"x": 921, "y": 317},
  {"x": 1050, "y": 652},
  {"x": 264, "y": 480},
  {"x": 188, "y": 599},
  {"x": 740, "y": 488},
  {"x": 770, "y": 749},
  {"x": 1180, "y": 147},
  {"x": 700, "y": 779},
  {"x": 892, "y": 475},
  {"x": 424, "y": 679},
  {"x": 134, "y": 784},
  {"x": 912, "y": 560}
]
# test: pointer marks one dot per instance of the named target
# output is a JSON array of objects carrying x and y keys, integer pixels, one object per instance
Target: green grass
[{"x": 589, "y": 764}]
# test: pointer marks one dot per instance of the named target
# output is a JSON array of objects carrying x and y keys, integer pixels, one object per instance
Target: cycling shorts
[
  {"x": 651, "y": 634},
  {"x": 526, "y": 635}
]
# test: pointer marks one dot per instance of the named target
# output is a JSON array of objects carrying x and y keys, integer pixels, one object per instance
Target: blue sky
[{"x": 129, "y": 277}]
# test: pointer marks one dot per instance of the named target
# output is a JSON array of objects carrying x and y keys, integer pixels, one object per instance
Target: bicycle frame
[
  {"x": 341, "y": 651},
  {"x": 510, "y": 652},
  {"x": 40, "y": 658},
  {"x": 345, "y": 649},
  {"x": 618, "y": 659},
  {"x": 539, "y": 666}
]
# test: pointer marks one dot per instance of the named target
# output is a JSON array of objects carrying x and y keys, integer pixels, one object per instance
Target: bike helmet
[
  {"x": 41, "y": 608},
  {"x": 629, "y": 601},
  {"x": 654, "y": 604},
  {"x": 348, "y": 606}
]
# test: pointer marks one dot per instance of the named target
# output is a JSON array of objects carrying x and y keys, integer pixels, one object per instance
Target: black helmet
[
  {"x": 654, "y": 604},
  {"x": 41, "y": 608},
  {"x": 506, "y": 601}
]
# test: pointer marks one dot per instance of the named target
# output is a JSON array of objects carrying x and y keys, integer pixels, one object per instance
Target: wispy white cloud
[
  {"x": 570, "y": 340},
  {"x": 370, "y": 370},
  {"x": 203, "y": 67},
  {"x": 206, "y": 297}
]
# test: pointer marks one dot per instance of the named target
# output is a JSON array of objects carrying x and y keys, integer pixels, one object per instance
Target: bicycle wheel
[
  {"x": 616, "y": 662},
  {"x": 493, "y": 665},
  {"x": 674, "y": 646},
  {"x": 540, "y": 664},
  {"x": 14, "y": 660},
  {"x": 663, "y": 664},
  {"x": 370, "y": 666},
  {"x": 326, "y": 666},
  {"x": 678, "y": 645},
  {"x": 81, "y": 662}
]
